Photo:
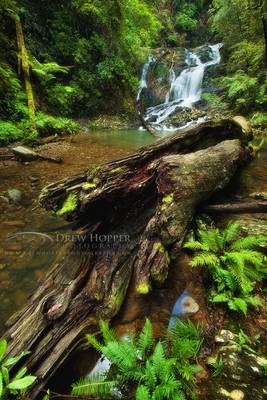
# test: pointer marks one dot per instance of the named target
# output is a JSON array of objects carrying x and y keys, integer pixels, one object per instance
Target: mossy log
[
  {"x": 237, "y": 208},
  {"x": 133, "y": 214}
]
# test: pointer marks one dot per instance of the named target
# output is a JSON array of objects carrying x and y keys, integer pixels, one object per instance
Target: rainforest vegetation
[{"x": 72, "y": 59}]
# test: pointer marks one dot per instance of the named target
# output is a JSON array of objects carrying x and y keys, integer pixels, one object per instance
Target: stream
[{"x": 22, "y": 259}]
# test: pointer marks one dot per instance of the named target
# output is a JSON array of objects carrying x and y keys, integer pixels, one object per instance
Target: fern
[
  {"x": 234, "y": 265},
  {"x": 146, "y": 339},
  {"x": 142, "y": 393},
  {"x": 108, "y": 334},
  {"x": 94, "y": 386}
]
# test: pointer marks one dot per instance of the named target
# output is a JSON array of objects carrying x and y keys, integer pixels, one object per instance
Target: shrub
[
  {"x": 47, "y": 125},
  {"x": 9, "y": 132}
]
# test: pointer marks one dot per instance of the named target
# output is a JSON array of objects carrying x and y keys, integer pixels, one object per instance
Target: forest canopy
[{"x": 84, "y": 57}]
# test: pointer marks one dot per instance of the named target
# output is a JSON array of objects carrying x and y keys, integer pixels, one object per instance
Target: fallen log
[
  {"x": 236, "y": 208},
  {"x": 133, "y": 214}
]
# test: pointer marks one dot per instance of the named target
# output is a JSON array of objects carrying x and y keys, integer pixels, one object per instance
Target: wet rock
[
  {"x": 34, "y": 179},
  {"x": 243, "y": 122},
  {"x": 224, "y": 336},
  {"x": 242, "y": 366},
  {"x": 24, "y": 154},
  {"x": 234, "y": 394}
]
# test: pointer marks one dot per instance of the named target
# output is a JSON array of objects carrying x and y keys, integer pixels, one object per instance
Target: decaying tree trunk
[{"x": 133, "y": 214}]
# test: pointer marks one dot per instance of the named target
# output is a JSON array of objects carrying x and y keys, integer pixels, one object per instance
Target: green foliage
[
  {"x": 218, "y": 366},
  {"x": 47, "y": 125},
  {"x": 20, "y": 382},
  {"x": 140, "y": 364},
  {"x": 9, "y": 132},
  {"x": 244, "y": 342},
  {"x": 233, "y": 265},
  {"x": 185, "y": 20},
  {"x": 239, "y": 24}
]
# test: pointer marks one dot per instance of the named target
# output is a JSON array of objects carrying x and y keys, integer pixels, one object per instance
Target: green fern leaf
[
  {"x": 230, "y": 232},
  {"x": 146, "y": 339},
  {"x": 108, "y": 334},
  {"x": 241, "y": 304},
  {"x": 248, "y": 242},
  {"x": 142, "y": 393},
  {"x": 95, "y": 386}
]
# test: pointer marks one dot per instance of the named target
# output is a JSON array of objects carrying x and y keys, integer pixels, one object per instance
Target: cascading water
[{"x": 185, "y": 89}]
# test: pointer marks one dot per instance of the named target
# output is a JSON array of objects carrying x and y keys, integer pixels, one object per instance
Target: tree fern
[{"x": 94, "y": 386}]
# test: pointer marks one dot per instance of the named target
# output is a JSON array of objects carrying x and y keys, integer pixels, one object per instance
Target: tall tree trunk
[{"x": 24, "y": 65}]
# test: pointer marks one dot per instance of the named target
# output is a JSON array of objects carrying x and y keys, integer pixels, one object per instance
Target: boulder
[{"x": 24, "y": 154}]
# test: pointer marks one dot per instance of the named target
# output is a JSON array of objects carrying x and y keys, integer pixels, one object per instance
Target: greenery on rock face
[
  {"x": 140, "y": 365},
  {"x": 234, "y": 266},
  {"x": 241, "y": 25}
]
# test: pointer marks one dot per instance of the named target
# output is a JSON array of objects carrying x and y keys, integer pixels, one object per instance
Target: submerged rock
[
  {"x": 24, "y": 154},
  {"x": 185, "y": 305},
  {"x": 18, "y": 197}
]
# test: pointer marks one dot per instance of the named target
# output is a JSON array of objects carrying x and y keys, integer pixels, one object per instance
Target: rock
[
  {"x": 224, "y": 336},
  {"x": 185, "y": 305},
  {"x": 234, "y": 394},
  {"x": 24, "y": 154},
  {"x": 34, "y": 179},
  {"x": 18, "y": 197}
]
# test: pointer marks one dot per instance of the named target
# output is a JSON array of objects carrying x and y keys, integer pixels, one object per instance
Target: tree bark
[{"x": 133, "y": 214}]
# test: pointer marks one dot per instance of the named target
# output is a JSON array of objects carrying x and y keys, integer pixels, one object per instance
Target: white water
[{"x": 185, "y": 89}]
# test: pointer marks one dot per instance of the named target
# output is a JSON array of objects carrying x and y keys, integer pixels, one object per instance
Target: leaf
[
  {"x": 22, "y": 383},
  {"x": 5, "y": 375},
  {"x": 20, "y": 374},
  {"x": 142, "y": 393},
  {"x": 3, "y": 345},
  {"x": 13, "y": 360},
  {"x": 241, "y": 304},
  {"x": 1, "y": 384}
]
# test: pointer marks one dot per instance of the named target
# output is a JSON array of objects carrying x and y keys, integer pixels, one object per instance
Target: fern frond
[
  {"x": 95, "y": 386},
  {"x": 95, "y": 343},
  {"x": 230, "y": 232},
  {"x": 210, "y": 238},
  {"x": 123, "y": 354},
  {"x": 238, "y": 304},
  {"x": 208, "y": 259},
  {"x": 150, "y": 375},
  {"x": 146, "y": 339},
  {"x": 252, "y": 257},
  {"x": 109, "y": 334},
  {"x": 142, "y": 393},
  {"x": 248, "y": 242},
  {"x": 196, "y": 246},
  {"x": 158, "y": 359}
]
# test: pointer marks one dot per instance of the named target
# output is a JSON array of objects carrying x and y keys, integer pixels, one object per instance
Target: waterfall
[
  {"x": 184, "y": 89},
  {"x": 143, "y": 83}
]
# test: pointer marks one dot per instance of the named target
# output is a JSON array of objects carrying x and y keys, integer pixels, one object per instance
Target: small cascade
[
  {"x": 143, "y": 82},
  {"x": 184, "y": 90}
]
